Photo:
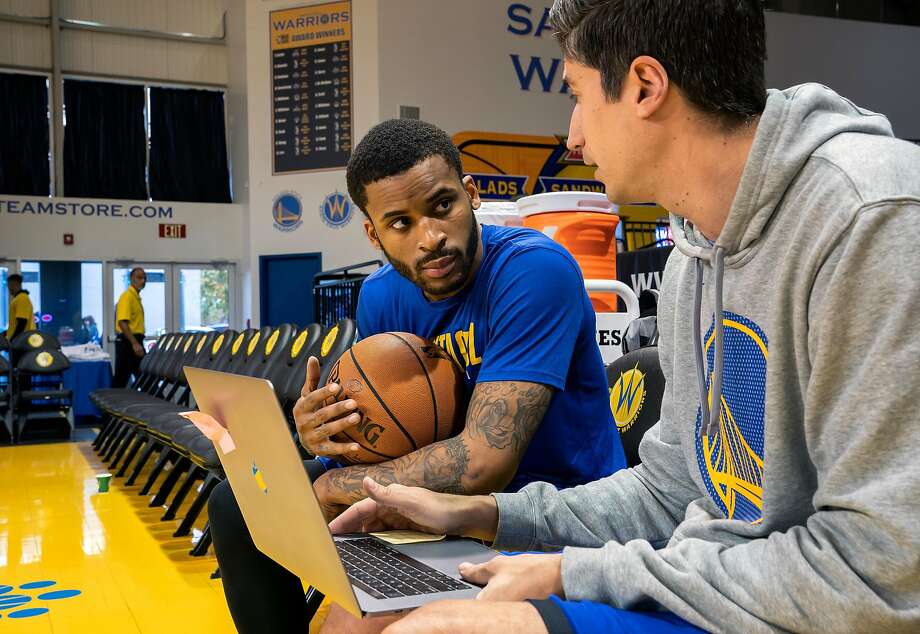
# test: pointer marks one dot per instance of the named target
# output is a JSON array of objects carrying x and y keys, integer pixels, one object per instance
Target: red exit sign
[{"x": 172, "y": 231}]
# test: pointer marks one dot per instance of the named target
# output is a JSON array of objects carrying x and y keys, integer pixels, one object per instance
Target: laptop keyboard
[{"x": 386, "y": 573}]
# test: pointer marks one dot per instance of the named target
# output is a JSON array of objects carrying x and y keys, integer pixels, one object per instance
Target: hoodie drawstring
[{"x": 709, "y": 421}]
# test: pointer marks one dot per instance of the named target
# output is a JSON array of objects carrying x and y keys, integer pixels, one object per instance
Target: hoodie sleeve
[
  {"x": 646, "y": 502},
  {"x": 854, "y": 564}
]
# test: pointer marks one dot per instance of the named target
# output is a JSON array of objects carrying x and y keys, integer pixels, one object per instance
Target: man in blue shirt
[{"x": 508, "y": 304}]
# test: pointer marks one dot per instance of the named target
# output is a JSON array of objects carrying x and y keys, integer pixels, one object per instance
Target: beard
[{"x": 465, "y": 258}]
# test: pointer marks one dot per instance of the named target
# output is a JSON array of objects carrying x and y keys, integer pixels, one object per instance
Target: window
[
  {"x": 891, "y": 11},
  {"x": 67, "y": 299},
  {"x": 24, "y": 127}
]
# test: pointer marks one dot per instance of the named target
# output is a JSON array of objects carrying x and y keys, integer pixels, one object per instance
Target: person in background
[
  {"x": 129, "y": 323},
  {"x": 21, "y": 319}
]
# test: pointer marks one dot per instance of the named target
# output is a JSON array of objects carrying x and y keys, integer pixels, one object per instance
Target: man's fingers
[
  {"x": 330, "y": 429},
  {"x": 336, "y": 411},
  {"x": 332, "y": 448},
  {"x": 480, "y": 574},
  {"x": 354, "y": 518},
  {"x": 312, "y": 379}
]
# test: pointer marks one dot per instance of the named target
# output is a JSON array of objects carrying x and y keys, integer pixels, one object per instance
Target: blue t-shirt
[{"x": 525, "y": 317}]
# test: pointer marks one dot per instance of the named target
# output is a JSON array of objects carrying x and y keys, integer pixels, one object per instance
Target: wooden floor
[{"x": 75, "y": 560}]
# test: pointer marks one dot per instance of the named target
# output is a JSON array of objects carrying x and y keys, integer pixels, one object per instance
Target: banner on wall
[
  {"x": 311, "y": 68},
  {"x": 508, "y": 166}
]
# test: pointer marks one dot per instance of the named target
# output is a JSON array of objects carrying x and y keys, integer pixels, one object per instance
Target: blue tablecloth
[{"x": 83, "y": 377}]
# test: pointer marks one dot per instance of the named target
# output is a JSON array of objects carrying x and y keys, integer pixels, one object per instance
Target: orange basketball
[{"x": 410, "y": 393}]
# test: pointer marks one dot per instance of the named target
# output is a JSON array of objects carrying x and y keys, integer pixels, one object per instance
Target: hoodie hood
[{"x": 794, "y": 123}]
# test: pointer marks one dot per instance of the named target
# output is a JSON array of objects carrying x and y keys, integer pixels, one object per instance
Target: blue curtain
[
  {"x": 105, "y": 145},
  {"x": 188, "y": 147},
  {"x": 24, "y": 135}
]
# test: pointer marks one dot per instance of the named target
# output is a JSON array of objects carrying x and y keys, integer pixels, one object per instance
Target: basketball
[{"x": 409, "y": 392}]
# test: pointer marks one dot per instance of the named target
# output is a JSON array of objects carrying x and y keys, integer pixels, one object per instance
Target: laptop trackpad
[{"x": 447, "y": 555}]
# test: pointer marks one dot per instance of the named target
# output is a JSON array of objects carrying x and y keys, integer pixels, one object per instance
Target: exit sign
[{"x": 172, "y": 231}]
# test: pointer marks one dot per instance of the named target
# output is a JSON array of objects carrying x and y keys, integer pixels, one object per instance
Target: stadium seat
[
  {"x": 636, "y": 389},
  {"x": 38, "y": 389}
]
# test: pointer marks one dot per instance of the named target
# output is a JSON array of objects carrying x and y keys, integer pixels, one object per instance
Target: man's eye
[
  {"x": 445, "y": 204},
  {"x": 399, "y": 223}
]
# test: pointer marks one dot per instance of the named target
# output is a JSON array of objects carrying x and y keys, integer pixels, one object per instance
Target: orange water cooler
[{"x": 585, "y": 223}]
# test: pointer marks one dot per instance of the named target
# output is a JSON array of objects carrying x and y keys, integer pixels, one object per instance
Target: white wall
[
  {"x": 874, "y": 65},
  {"x": 29, "y": 46},
  {"x": 453, "y": 60},
  {"x": 214, "y": 231},
  {"x": 338, "y": 246}
]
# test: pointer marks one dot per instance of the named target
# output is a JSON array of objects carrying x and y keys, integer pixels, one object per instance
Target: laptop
[{"x": 363, "y": 574}]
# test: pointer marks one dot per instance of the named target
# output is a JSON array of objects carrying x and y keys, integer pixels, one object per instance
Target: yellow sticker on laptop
[{"x": 398, "y": 538}]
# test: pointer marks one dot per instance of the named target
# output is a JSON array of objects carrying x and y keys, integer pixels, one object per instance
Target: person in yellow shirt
[
  {"x": 21, "y": 317},
  {"x": 129, "y": 323}
]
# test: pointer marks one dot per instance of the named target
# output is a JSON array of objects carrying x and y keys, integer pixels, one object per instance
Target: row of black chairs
[
  {"x": 144, "y": 419},
  {"x": 32, "y": 392}
]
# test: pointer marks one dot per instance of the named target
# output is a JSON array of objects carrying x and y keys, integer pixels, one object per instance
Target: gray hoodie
[{"x": 799, "y": 507}]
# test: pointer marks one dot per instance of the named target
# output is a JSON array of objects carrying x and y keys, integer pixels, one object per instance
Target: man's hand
[
  {"x": 516, "y": 578},
  {"x": 400, "y": 507},
  {"x": 138, "y": 349},
  {"x": 316, "y": 422}
]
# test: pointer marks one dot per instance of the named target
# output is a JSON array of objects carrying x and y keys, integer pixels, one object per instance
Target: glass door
[
  {"x": 204, "y": 297},
  {"x": 7, "y": 267},
  {"x": 156, "y": 297}
]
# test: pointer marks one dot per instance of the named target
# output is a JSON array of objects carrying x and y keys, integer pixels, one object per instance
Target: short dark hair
[
  {"x": 393, "y": 147},
  {"x": 713, "y": 51},
  {"x": 135, "y": 270},
  {"x": 15, "y": 277}
]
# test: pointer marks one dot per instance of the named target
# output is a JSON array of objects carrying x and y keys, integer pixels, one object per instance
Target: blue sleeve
[
  {"x": 369, "y": 314},
  {"x": 536, "y": 309},
  {"x": 597, "y": 618}
]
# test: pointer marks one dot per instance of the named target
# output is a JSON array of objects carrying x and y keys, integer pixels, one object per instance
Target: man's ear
[
  {"x": 472, "y": 191},
  {"x": 372, "y": 234},
  {"x": 651, "y": 84}
]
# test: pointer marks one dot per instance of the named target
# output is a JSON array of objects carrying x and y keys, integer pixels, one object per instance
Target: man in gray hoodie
[{"x": 780, "y": 489}]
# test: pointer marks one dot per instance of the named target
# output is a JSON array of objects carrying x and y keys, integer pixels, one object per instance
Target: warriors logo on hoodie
[{"x": 731, "y": 461}]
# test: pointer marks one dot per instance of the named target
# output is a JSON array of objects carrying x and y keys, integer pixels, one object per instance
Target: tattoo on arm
[
  {"x": 503, "y": 416},
  {"x": 506, "y": 414},
  {"x": 439, "y": 467}
]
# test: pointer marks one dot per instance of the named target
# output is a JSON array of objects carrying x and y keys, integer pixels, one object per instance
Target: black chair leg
[
  {"x": 104, "y": 432},
  {"x": 204, "y": 542},
  {"x": 170, "y": 482},
  {"x": 140, "y": 441},
  {"x": 116, "y": 443},
  {"x": 193, "y": 474},
  {"x": 151, "y": 447},
  {"x": 130, "y": 440},
  {"x": 314, "y": 599},
  {"x": 165, "y": 455},
  {"x": 194, "y": 510},
  {"x": 118, "y": 427}
]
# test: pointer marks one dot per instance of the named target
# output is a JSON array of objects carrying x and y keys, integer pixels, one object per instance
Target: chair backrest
[
  {"x": 237, "y": 357},
  {"x": 4, "y": 366},
  {"x": 34, "y": 340},
  {"x": 336, "y": 340},
  {"x": 4, "y": 343},
  {"x": 636, "y": 388},
  {"x": 43, "y": 362},
  {"x": 291, "y": 370},
  {"x": 218, "y": 350},
  {"x": 184, "y": 348},
  {"x": 202, "y": 347},
  {"x": 269, "y": 350}
]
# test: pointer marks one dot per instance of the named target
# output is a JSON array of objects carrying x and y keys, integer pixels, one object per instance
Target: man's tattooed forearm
[
  {"x": 439, "y": 467},
  {"x": 506, "y": 414}
]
